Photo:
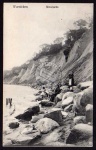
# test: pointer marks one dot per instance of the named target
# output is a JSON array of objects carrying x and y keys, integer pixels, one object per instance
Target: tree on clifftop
[
  {"x": 80, "y": 23},
  {"x": 58, "y": 40},
  {"x": 72, "y": 35}
]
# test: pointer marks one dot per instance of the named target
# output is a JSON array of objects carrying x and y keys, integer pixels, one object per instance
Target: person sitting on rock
[
  {"x": 57, "y": 91},
  {"x": 44, "y": 92}
]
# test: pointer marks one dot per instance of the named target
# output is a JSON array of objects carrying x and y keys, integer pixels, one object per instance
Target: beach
[{"x": 22, "y": 97}]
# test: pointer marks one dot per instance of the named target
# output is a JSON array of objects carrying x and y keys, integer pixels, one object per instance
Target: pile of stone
[{"x": 49, "y": 118}]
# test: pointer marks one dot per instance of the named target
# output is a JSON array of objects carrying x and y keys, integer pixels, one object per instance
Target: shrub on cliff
[
  {"x": 53, "y": 49},
  {"x": 72, "y": 35}
]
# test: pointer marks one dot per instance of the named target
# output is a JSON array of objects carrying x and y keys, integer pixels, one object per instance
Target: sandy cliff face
[{"x": 80, "y": 61}]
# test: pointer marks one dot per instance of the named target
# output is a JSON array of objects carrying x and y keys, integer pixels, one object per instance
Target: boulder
[
  {"x": 58, "y": 105},
  {"x": 81, "y": 99},
  {"x": 87, "y": 97},
  {"x": 13, "y": 125},
  {"x": 46, "y": 103},
  {"x": 45, "y": 125},
  {"x": 67, "y": 94},
  {"x": 84, "y": 85},
  {"x": 79, "y": 133},
  {"x": 64, "y": 89},
  {"x": 53, "y": 136},
  {"x": 55, "y": 115},
  {"x": 76, "y": 89},
  {"x": 68, "y": 108},
  {"x": 60, "y": 95},
  {"x": 34, "y": 108},
  {"x": 84, "y": 143},
  {"x": 36, "y": 118},
  {"x": 29, "y": 130},
  {"x": 27, "y": 115},
  {"x": 67, "y": 102},
  {"x": 26, "y": 139},
  {"x": 64, "y": 114},
  {"x": 89, "y": 113},
  {"x": 58, "y": 98},
  {"x": 77, "y": 108},
  {"x": 79, "y": 119}
]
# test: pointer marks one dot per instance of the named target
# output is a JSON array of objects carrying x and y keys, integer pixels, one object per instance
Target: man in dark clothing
[{"x": 57, "y": 91}]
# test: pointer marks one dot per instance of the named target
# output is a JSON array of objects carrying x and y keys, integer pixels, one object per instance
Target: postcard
[{"x": 47, "y": 75}]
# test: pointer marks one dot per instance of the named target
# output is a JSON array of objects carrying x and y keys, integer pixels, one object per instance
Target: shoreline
[{"x": 59, "y": 134}]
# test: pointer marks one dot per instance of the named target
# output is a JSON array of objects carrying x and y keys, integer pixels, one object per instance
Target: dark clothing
[
  {"x": 57, "y": 91},
  {"x": 71, "y": 81},
  {"x": 52, "y": 97}
]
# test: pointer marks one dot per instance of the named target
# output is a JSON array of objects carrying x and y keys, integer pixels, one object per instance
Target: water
[{"x": 22, "y": 97}]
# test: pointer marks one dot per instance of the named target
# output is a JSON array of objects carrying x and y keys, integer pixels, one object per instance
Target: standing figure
[
  {"x": 10, "y": 101},
  {"x": 71, "y": 81},
  {"x": 6, "y": 101}
]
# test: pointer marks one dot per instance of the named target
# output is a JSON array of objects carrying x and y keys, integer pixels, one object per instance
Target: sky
[{"x": 25, "y": 29}]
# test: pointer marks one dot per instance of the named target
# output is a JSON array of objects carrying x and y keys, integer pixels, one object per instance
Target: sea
[{"x": 22, "y": 98}]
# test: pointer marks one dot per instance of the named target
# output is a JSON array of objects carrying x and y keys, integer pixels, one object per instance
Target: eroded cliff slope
[{"x": 80, "y": 61}]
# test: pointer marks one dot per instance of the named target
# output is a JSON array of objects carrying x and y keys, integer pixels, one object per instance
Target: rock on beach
[
  {"x": 84, "y": 85},
  {"x": 67, "y": 94},
  {"x": 36, "y": 118},
  {"x": 27, "y": 115},
  {"x": 79, "y": 132},
  {"x": 46, "y": 103},
  {"x": 81, "y": 99},
  {"x": 68, "y": 108},
  {"x": 45, "y": 125},
  {"x": 13, "y": 125},
  {"x": 67, "y": 102},
  {"x": 89, "y": 113},
  {"x": 79, "y": 119},
  {"x": 55, "y": 115}
]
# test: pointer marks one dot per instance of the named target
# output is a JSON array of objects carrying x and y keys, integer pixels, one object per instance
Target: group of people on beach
[
  {"x": 54, "y": 93},
  {"x": 57, "y": 89}
]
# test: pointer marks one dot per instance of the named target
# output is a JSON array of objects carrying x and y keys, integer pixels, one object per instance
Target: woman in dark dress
[{"x": 71, "y": 81}]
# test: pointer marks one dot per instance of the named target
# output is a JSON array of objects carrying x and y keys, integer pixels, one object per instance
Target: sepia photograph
[{"x": 48, "y": 74}]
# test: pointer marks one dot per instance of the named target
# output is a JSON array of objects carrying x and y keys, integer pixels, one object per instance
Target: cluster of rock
[{"x": 66, "y": 122}]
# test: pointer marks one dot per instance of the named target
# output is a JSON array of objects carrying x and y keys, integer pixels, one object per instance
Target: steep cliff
[{"x": 53, "y": 68}]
